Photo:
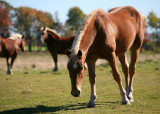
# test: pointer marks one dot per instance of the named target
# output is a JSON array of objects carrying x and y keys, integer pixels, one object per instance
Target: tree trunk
[{"x": 29, "y": 46}]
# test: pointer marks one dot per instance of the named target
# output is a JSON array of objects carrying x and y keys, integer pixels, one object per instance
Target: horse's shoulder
[{"x": 10, "y": 41}]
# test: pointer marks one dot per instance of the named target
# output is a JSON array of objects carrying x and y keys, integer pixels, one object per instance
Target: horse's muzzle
[{"x": 75, "y": 93}]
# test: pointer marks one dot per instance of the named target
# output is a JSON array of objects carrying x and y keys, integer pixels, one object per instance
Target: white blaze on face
[
  {"x": 42, "y": 36},
  {"x": 73, "y": 62},
  {"x": 75, "y": 65},
  {"x": 42, "y": 33}
]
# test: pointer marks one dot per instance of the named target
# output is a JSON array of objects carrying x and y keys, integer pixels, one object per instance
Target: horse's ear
[
  {"x": 68, "y": 52},
  {"x": 80, "y": 54}
]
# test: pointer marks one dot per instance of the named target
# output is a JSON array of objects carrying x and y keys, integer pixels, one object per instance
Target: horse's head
[
  {"x": 76, "y": 71},
  {"x": 22, "y": 43},
  {"x": 43, "y": 34}
]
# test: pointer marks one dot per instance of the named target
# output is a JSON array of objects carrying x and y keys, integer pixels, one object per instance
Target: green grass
[
  {"x": 36, "y": 48},
  {"x": 36, "y": 91}
]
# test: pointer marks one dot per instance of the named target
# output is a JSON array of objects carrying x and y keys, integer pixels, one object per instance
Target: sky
[{"x": 87, "y": 6}]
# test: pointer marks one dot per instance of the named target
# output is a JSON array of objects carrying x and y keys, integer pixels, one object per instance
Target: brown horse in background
[
  {"x": 106, "y": 36},
  {"x": 55, "y": 43},
  {"x": 9, "y": 49}
]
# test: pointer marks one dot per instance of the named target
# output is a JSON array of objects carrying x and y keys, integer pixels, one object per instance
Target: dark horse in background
[
  {"x": 107, "y": 36},
  {"x": 55, "y": 43},
  {"x": 9, "y": 49}
]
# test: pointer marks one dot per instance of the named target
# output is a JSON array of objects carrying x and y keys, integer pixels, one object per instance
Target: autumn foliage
[
  {"x": 5, "y": 20},
  {"x": 29, "y": 20}
]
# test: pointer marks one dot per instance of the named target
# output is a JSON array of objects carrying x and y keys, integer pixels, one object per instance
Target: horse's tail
[{"x": 144, "y": 17}]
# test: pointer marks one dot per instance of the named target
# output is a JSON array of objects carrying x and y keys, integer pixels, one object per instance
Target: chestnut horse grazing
[
  {"x": 107, "y": 35},
  {"x": 9, "y": 48},
  {"x": 55, "y": 43}
]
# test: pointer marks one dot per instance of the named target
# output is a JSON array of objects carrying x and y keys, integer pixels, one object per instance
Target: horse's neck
[{"x": 52, "y": 35}]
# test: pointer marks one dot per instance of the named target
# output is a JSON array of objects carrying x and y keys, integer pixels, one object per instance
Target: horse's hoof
[
  {"x": 131, "y": 99},
  {"x": 90, "y": 105},
  {"x": 9, "y": 73},
  {"x": 126, "y": 103},
  {"x": 55, "y": 69}
]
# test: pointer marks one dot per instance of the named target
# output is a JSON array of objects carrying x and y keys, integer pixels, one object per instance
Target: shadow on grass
[
  {"x": 43, "y": 72},
  {"x": 45, "y": 109}
]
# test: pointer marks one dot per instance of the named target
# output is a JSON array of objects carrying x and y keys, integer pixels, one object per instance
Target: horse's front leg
[
  {"x": 12, "y": 61},
  {"x": 113, "y": 63},
  {"x": 92, "y": 79},
  {"x": 55, "y": 59},
  {"x": 8, "y": 66}
]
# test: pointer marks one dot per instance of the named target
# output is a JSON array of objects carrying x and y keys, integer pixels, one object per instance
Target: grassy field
[{"x": 41, "y": 91}]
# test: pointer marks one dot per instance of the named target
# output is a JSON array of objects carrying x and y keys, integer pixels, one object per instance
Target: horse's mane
[
  {"x": 15, "y": 36},
  {"x": 52, "y": 31},
  {"x": 115, "y": 9},
  {"x": 81, "y": 31},
  {"x": 144, "y": 17}
]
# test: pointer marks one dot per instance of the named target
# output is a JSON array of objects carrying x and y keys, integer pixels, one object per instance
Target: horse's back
[
  {"x": 59, "y": 46},
  {"x": 66, "y": 44}
]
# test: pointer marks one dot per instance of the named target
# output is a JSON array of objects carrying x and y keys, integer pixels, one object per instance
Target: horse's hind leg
[
  {"x": 132, "y": 69},
  {"x": 113, "y": 63},
  {"x": 125, "y": 68},
  {"x": 92, "y": 79}
]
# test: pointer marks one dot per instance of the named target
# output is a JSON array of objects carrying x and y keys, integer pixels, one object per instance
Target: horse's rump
[{"x": 128, "y": 26}]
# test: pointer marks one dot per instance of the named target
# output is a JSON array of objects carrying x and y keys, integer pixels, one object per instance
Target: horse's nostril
[{"x": 78, "y": 92}]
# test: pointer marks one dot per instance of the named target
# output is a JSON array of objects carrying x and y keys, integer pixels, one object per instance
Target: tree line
[{"x": 27, "y": 21}]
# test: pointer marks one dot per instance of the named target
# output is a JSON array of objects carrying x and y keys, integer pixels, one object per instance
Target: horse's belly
[{"x": 123, "y": 46}]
